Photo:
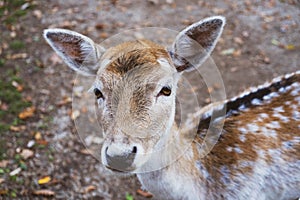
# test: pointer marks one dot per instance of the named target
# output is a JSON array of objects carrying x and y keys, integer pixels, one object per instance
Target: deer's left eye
[
  {"x": 98, "y": 94},
  {"x": 166, "y": 91}
]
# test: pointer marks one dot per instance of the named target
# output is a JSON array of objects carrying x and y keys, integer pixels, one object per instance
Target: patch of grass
[
  {"x": 2, "y": 62},
  {"x": 12, "y": 99},
  {"x": 10, "y": 96},
  {"x": 23, "y": 165},
  {"x": 129, "y": 196},
  {"x": 3, "y": 149},
  {"x": 13, "y": 194},
  {"x": 11, "y": 11},
  {"x": 3, "y": 127},
  {"x": 17, "y": 45}
]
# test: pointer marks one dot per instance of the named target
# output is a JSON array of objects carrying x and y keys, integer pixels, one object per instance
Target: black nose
[{"x": 122, "y": 162}]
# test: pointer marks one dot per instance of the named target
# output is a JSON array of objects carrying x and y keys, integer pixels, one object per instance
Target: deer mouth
[{"x": 119, "y": 171}]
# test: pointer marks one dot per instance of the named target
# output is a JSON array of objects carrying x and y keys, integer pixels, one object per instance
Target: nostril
[{"x": 134, "y": 150}]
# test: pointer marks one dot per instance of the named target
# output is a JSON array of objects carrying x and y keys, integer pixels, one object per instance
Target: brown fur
[{"x": 129, "y": 55}]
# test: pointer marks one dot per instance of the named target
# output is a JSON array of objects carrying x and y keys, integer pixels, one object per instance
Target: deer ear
[
  {"x": 78, "y": 51},
  {"x": 194, "y": 44}
]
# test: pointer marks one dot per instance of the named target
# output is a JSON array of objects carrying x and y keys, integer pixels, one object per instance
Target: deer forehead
[
  {"x": 127, "y": 56},
  {"x": 136, "y": 64}
]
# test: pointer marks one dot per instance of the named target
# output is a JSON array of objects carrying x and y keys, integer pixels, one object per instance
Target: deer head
[{"x": 135, "y": 86}]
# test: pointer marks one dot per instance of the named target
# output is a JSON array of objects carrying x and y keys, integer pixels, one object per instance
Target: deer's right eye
[{"x": 98, "y": 94}]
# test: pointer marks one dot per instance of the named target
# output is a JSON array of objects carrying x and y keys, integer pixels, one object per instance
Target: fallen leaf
[
  {"x": 13, "y": 34},
  {"x": 44, "y": 180},
  {"x": 229, "y": 51},
  {"x": 275, "y": 42},
  {"x": 17, "y": 56},
  {"x": 245, "y": 34},
  {"x": 267, "y": 60},
  {"x": 144, "y": 193},
  {"x": 3, "y": 163},
  {"x": 15, "y": 128},
  {"x": 26, "y": 153},
  {"x": 88, "y": 189},
  {"x": 3, "y": 192},
  {"x": 25, "y": 6},
  {"x": 218, "y": 11},
  {"x": 55, "y": 59},
  {"x": 30, "y": 143},
  {"x": 237, "y": 53},
  {"x": 3, "y": 106},
  {"x": 104, "y": 35},
  {"x": 38, "y": 14},
  {"x": 84, "y": 109},
  {"x": 289, "y": 47},
  {"x": 38, "y": 136},
  {"x": 238, "y": 40},
  {"x": 15, "y": 172},
  {"x": 65, "y": 101},
  {"x": 86, "y": 151},
  {"x": 42, "y": 142},
  {"x": 28, "y": 112},
  {"x": 68, "y": 24},
  {"x": 44, "y": 192},
  {"x": 75, "y": 114},
  {"x": 100, "y": 26}
]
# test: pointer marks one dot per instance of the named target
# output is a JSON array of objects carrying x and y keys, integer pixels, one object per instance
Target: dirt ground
[{"x": 260, "y": 41}]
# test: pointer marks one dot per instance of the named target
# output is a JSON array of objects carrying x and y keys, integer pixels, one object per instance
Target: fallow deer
[{"x": 257, "y": 155}]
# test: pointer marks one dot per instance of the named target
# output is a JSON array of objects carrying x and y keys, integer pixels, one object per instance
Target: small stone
[
  {"x": 238, "y": 40},
  {"x": 13, "y": 34},
  {"x": 30, "y": 144},
  {"x": 38, "y": 14},
  {"x": 245, "y": 34},
  {"x": 267, "y": 60}
]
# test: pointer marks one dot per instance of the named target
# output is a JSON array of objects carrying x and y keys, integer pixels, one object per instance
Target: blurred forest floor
[{"x": 41, "y": 154}]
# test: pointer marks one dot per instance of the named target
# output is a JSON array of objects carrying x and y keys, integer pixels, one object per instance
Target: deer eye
[
  {"x": 166, "y": 91},
  {"x": 98, "y": 94}
]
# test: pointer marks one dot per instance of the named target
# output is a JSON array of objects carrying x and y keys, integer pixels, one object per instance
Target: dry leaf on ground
[
  {"x": 88, "y": 189},
  {"x": 17, "y": 128},
  {"x": 3, "y": 163},
  {"x": 75, "y": 114},
  {"x": 15, "y": 172},
  {"x": 44, "y": 192},
  {"x": 44, "y": 180},
  {"x": 144, "y": 193},
  {"x": 28, "y": 112},
  {"x": 3, "y": 192},
  {"x": 26, "y": 153}
]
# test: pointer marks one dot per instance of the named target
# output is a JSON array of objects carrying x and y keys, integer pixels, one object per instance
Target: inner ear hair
[{"x": 181, "y": 63}]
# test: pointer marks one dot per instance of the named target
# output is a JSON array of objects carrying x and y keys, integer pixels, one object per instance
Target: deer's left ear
[
  {"x": 194, "y": 44},
  {"x": 79, "y": 52}
]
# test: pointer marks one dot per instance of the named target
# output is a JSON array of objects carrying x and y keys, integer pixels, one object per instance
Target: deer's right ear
[
  {"x": 194, "y": 44},
  {"x": 78, "y": 51}
]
